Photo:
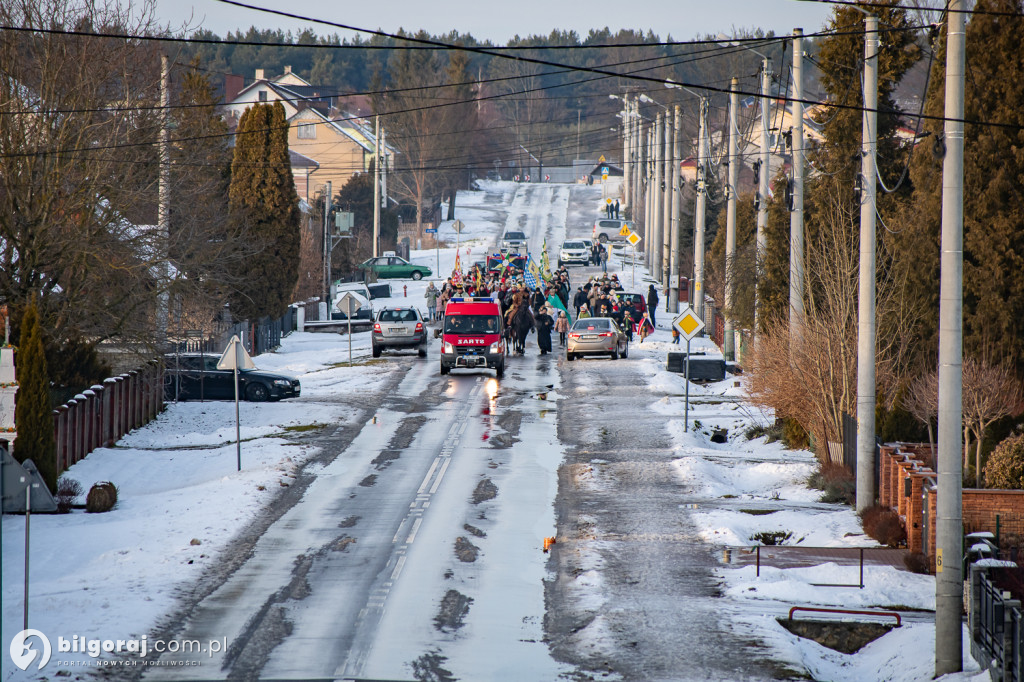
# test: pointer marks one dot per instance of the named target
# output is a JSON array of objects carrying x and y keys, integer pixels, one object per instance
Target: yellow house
[{"x": 340, "y": 146}]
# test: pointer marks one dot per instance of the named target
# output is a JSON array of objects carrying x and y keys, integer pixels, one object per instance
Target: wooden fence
[{"x": 99, "y": 416}]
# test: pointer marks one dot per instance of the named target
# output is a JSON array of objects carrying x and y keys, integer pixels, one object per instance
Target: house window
[
  {"x": 263, "y": 95},
  {"x": 306, "y": 131}
]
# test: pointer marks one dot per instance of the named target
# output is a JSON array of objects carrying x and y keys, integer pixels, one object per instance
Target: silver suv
[
  {"x": 399, "y": 327},
  {"x": 608, "y": 230},
  {"x": 513, "y": 241}
]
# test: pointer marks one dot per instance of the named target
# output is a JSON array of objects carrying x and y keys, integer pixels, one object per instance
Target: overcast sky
[{"x": 499, "y": 20}]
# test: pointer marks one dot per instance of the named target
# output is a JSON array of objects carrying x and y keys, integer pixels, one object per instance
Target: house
[
  {"x": 324, "y": 144},
  {"x": 340, "y": 146},
  {"x": 290, "y": 89}
]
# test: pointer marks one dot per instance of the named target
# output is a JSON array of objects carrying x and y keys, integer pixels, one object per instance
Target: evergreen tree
[
  {"x": 33, "y": 414},
  {"x": 993, "y": 171},
  {"x": 262, "y": 197},
  {"x": 994, "y": 185}
]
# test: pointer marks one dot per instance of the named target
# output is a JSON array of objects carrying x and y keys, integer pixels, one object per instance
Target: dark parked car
[{"x": 194, "y": 376}]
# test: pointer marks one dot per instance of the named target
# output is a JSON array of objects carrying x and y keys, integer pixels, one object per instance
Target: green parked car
[{"x": 393, "y": 267}]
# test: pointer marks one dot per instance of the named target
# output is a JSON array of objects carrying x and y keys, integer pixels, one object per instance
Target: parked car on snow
[
  {"x": 596, "y": 336},
  {"x": 399, "y": 328},
  {"x": 194, "y": 376},
  {"x": 394, "y": 267},
  {"x": 608, "y": 229}
]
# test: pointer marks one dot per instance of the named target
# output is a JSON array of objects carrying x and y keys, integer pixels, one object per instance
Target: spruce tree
[
  {"x": 263, "y": 197},
  {"x": 33, "y": 415}
]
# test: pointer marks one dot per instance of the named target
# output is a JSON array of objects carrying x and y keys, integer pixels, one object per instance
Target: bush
[
  {"x": 837, "y": 484},
  {"x": 1005, "y": 468},
  {"x": 102, "y": 497},
  {"x": 772, "y": 432},
  {"x": 794, "y": 435},
  {"x": 772, "y": 537},
  {"x": 68, "y": 490},
  {"x": 917, "y": 563},
  {"x": 884, "y": 525}
]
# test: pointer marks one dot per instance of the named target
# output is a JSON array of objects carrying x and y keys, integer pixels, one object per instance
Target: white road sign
[{"x": 235, "y": 356}]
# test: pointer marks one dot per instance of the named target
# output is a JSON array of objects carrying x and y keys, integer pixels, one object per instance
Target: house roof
[{"x": 298, "y": 160}]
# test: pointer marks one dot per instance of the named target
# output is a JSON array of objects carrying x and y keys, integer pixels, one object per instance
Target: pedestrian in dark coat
[
  {"x": 545, "y": 323},
  {"x": 652, "y": 304},
  {"x": 616, "y": 209},
  {"x": 579, "y": 299}
]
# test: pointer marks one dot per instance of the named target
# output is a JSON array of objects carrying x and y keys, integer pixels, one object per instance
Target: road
[{"x": 412, "y": 547}]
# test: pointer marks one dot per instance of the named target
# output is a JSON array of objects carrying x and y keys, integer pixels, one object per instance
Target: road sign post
[
  {"x": 234, "y": 357},
  {"x": 633, "y": 238},
  {"x": 349, "y": 305},
  {"x": 688, "y": 325}
]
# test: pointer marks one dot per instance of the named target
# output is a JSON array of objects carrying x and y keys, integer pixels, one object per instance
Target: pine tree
[
  {"x": 33, "y": 414},
  {"x": 262, "y": 196}
]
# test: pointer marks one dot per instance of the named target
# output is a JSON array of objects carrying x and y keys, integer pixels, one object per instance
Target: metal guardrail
[{"x": 817, "y": 609}]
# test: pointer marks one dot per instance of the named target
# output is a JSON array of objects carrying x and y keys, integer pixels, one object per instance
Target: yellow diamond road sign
[
  {"x": 624, "y": 231},
  {"x": 688, "y": 324},
  {"x": 634, "y": 238}
]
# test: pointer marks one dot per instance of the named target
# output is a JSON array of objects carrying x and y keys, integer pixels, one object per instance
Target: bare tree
[
  {"x": 815, "y": 381},
  {"x": 989, "y": 393},
  {"x": 922, "y": 401}
]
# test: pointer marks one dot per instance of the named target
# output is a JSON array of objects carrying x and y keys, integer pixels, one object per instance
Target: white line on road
[
  {"x": 398, "y": 568},
  {"x": 440, "y": 475},
  {"x": 426, "y": 479},
  {"x": 415, "y": 527}
]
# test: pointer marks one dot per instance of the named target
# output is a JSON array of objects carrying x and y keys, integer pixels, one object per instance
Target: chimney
[
  {"x": 260, "y": 75},
  {"x": 233, "y": 84},
  {"x": 287, "y": 69}
]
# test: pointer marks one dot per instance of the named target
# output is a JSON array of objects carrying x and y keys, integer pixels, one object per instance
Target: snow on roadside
[{"x": 181, "y": 500}]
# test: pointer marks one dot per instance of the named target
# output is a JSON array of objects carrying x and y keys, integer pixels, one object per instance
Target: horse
[{"x": 522, "y": 323}]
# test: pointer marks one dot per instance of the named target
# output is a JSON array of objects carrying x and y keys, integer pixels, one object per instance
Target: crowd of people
[{"x": 544, "y": 308}]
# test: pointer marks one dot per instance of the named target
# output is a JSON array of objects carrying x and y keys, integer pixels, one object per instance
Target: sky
[{"x": 682, "y": 19}]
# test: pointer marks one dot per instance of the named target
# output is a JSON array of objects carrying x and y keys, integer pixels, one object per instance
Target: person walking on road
[
  {"x": 616, "y": 209},
  {"x": 652, "y": 304},
  {"x": 431, "y": 296},
  {"x": 604, "y": 259},
  {"x": 544, "y": 323},
  {"x": 562, "y": 326},
  {"x": 579, "y": 299}
]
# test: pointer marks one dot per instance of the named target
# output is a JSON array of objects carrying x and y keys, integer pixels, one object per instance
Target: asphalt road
[{"x": 410, "y": 549}]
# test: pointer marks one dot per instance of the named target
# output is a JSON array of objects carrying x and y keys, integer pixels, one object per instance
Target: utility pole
[
  {"x": 327, "y": 242},
  {"x": 384, "y": 168},
  {"x": 659, "y": 196},
  {"x": 579, "y": 113},
  {"x": 627, "y": 171},
  {"x": 866, "y": 300},
  {"x": 796, "y": 216},
  {"x": 649, "y": 195},
  {"x": 673, "y": 273},
  {"x": 730, "y": 219},
  {"x": 164, "y": 200},
  {"x": 949, "y": 512},
  {"x": 634, "y": 122},
  {"x": 666, "y": 235},
  {"x": 376, "y": 189},
  {"x": 762, "y": 191},
  {"x": 700, "y": 212}
]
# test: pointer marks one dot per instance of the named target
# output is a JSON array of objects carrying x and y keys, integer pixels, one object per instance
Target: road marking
[
  {"x": 415, "y": 528},
  {"x": 398, "y": 568},
  {"x": 440, "y": 475},
  {"x": 426, "y": 479}
]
